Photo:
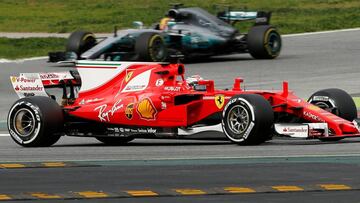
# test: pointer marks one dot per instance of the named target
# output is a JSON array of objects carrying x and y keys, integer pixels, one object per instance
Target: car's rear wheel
[
  {"x": 264, "y": 42},
  {"x": 335, "y": 101},
  {"x": 151, "y": 47},
  {"x": 114, "y": 140},
  {"x": 80, "y": 41},
  {"x": 35, "y": 122},
  {"x": 247, "y": 119}
]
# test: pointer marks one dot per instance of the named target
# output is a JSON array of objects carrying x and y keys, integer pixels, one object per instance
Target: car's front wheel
[
  {"x": 247, "y": 119},
  {"x": 151, "y": 47}
]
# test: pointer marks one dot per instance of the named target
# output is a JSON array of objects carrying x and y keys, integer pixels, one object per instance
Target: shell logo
[{"x": 146, "y": 109}]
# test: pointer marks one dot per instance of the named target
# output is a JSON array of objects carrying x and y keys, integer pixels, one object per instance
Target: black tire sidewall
[
  {"x": 344, "y": 103},
  {"x": 80, "y": 41},
  {"x": 257, "y": 40},
  {"x": 20, "y": 104},
  {"x": 260, "y": 115},
  {"x": 49, "y": 121},
  {"x": 143, "y": 44}
]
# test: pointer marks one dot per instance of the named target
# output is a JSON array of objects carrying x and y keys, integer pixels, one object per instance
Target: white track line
[
  {"x": 22, "y": 60},
  {"x": 4, "y": 135},
  {"x": 321, "y": 32}
]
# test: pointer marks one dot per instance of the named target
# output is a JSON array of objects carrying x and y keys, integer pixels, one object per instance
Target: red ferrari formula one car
[{"x": 116, "y": 102}]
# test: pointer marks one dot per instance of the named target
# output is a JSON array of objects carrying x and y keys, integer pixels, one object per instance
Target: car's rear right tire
[{"x": 264, "y": 42}]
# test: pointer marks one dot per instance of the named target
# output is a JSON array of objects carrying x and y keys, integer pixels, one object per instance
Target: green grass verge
[
  {"x": 357, "y": 101},
  {"x": 291, "y": 16},
  {"x": 29, "y": 47}
]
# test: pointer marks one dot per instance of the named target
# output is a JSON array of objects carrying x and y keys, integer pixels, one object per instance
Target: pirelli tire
[
  {"x": 151, "y": 47},
  {"x": 248, "y": 119},
  {"x": 336, "y": 101},
  {"x": 80, "y": 41},
  {"x": 115, "y": 141},
  {"x": 264, "y": 42},
  {"x": 35, "y": 121}
]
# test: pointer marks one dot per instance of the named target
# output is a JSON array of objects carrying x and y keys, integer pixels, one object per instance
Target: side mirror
[{"x": 138, "y": 24}]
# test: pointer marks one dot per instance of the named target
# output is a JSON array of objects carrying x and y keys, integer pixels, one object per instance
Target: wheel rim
[
  {"x": 238, "y": 120},
  {"x": 327, "y": 106},
  {"x": 157, "y": 49},
  {"x": 24, "y": 122},
  {"x": 274, "y": 42}
]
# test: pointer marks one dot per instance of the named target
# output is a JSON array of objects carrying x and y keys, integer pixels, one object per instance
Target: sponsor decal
[
  {"x": 146, "y": 109},
  {"x": 55, "y": 76},
  {"x": 172, "y": 89},
  {"x": 25, "y": 86},
  {"x": 28, "y": 88},
  {"x": 159, "y": 82},
  {"x": 104, "y": 114},
  {"x": 292, "y": 130},
  {"x": 128, "y": 76},
  {"x": 219, "y": 100},
  {"x": 90, "y": 100},
  {"x": 312, "y": 116},
  {"x": 133, "y": 130},
  {"x": 320, "y": 98},
  {"x": 134, "y": 88},
  {"x": 163, "y": 105},
  {"x": 129, "y": 111},
  {"x": 139, "y": 82}
]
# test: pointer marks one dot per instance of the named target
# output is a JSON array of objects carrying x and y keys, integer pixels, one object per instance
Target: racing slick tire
[
  {"x": 114, "y": 141},
  {"x": 80, "y": 41},
  {"x": 35, "y": 121},
  {"x": 151, "y": 47},
  {"x": 264, "y": 42},
  {"x": 247, "y": 119},
  {"x": 336, "y": 101}
]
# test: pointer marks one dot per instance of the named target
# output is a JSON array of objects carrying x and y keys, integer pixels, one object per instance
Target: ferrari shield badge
[
  {"x": 219, "y": 100},
  {"x": 128, "y": 76}
]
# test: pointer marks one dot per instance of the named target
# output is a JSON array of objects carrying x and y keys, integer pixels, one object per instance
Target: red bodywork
[{"x": 169, "y": 101}]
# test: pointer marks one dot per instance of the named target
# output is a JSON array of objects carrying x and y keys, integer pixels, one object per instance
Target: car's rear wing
[
  {"x": 260, "y": 17},
  {"x": 34, "y": 84}
]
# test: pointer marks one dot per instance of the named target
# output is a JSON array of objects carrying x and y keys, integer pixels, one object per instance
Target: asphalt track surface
[{"x": 281, "y": 170}]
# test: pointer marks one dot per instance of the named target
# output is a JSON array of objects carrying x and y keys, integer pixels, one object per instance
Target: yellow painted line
[
  {"x": 12, "y": 166},
  {"x": 92, "y": 194},
  {"x": 287, "y": 188},
  {"x": 335, "y": 187},
  {"x": 44, "y": 195},
  {"x": 54, "y": 164},
  {"x": 190, "y": 191},
  {"x": 239, "y": 189},
  {"x": 4, "y": 197},
  {"x": 141, "y": 193}
]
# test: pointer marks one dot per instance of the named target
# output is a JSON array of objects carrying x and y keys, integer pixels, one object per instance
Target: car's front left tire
[
  {"x": 35, "y": 121},
  {"x": 247, "y": 119}
]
